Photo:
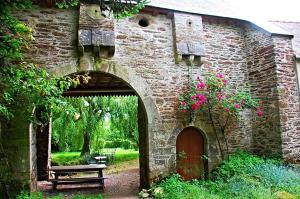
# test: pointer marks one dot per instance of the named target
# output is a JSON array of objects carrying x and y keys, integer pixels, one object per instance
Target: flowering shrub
[
  {"x": 215, "y": 91},
  {"x": 223, "y": 102}
]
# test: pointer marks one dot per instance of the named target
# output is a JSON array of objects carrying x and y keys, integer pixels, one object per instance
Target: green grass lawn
[
  {"x": 123, "y": 155},
  {"x": 73, "y": 158}
]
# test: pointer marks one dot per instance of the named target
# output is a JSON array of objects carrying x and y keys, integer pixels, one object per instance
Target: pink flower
[
  {"x": 184, "y": 111},
  {"x": 225, "y": 81},
  {"x": 259, "y": 113},
  {"x": 220, "y": 75},
  {"x": 202, "y": 98},
  {"x": 243, "y": 102},
  {"x": 219, "y": 96},
  {"x": 199, "y": 102},
  {"x": 183, "y": 103},
  {"x": 227, "y": 110},
  {"x": 236, "y": 106},
  {"x": 201, "y": 85},
  {"x": 193, "y": 97},
  {"x": 194, "y": 107}
]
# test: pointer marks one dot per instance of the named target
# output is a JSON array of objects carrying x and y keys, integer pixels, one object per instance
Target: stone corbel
[
  {"x": 96, "y": 32},
  {"x": 101, "y": 42},
  {"x": 85, "y": 39},
  {"x": 191, "y": 52}
]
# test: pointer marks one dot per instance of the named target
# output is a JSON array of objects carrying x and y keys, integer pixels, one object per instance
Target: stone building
[
  {"x": 147, "y": 55},
  {"x": 294, "y": 28}
]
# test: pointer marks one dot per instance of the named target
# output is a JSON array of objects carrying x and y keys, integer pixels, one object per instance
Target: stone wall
[
  {"x": 144, "y": 57},
  {"x": 15, "y": 155},
  {"x": 263, "y": 79},
  {"x": 147, "y": 52},
  {"x": 55, "y": 38},
  {"x": 288, "y": 97},
  {"x": 225, "y": 47}
]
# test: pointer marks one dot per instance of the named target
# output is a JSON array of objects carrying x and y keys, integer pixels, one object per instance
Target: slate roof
[
  {"x": 221, "y": 8},
  {"x": 294, "y": 28}
]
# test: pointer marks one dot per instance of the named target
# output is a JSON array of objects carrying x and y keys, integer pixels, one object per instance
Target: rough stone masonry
[{"x": 149, "y": 51}]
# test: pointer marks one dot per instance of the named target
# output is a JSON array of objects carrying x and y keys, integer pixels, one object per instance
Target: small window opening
[{"x": 144, "y": 22}]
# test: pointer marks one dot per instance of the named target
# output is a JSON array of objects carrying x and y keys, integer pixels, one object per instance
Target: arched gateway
[{"x": 101, "y": 84}]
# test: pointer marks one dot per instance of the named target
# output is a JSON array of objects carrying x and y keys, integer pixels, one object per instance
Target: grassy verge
[
  {"x": 242, "y": 176},
  {"x": 123, "y": 155},
  {"x": 73, "y": 158}
]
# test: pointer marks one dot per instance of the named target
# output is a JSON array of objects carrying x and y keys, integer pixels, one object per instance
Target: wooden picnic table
[{"x": 58, "y": 170}]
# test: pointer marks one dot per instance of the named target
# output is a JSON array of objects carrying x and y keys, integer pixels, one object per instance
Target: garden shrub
[
  {"x": 237, "y": 164},
  {"x": 174, "y": 187},
  {"x": 242, "y": 176},
  {"x": 246, "y": 187},
  {"x": 277, "y": 177}
]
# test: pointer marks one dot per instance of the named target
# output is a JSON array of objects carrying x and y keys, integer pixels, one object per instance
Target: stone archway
[
  {"x": 116, "y": 85},
  {"x": 105, "y": 84}
]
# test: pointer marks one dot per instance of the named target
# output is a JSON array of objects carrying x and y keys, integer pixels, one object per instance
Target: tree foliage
[
  {"x": 23, "y": 85},
  {"x": 97, "y": 122},
  {"x": 117, "y": 8}
]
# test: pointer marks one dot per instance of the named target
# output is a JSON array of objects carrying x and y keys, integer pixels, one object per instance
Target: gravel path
[{"x": 122, "y": 183}]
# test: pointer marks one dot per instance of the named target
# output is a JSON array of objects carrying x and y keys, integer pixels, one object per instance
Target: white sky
[{"x": 283, "y": 10}]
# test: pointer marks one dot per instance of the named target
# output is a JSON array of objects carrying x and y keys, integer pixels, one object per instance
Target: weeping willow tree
[
  {"x": 123, "y": 122},
  {"x": 97, "y": 122}
]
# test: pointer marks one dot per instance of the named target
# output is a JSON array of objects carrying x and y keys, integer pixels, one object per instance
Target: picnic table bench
[{"x": 58, "y": 170}]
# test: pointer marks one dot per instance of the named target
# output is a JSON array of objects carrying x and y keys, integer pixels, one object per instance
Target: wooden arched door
[{"x": 189, "y": 152}]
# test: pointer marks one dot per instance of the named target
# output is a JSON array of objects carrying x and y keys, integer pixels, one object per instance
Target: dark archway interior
[{"x": 100, "y": 84}]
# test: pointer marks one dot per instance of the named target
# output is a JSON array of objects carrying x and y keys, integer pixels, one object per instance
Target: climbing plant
[
  {"x": 221, "y": 101},
  {"x": 24, "y": 85}
]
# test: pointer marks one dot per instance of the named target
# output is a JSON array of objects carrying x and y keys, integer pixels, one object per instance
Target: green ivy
[
  {"x": 14, "y": 35},
  {"x": 26, "y": 86}
]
